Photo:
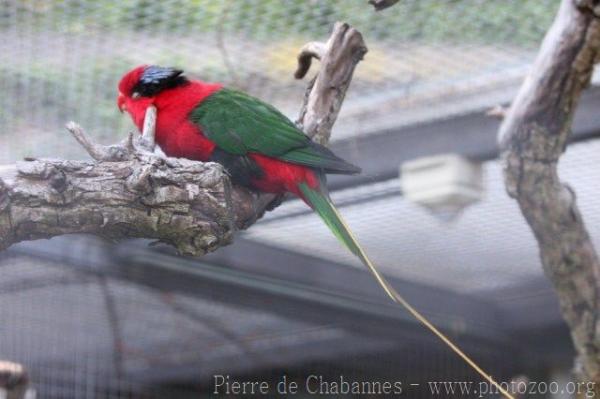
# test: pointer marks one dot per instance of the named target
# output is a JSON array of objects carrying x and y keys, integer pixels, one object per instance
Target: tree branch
[
  {"x": 13, "y": 380},
  {"x": 131, "y": 192},
  {"x": 307, "y": 53},
  {"x": 382, "y": 4},
  {"x": 179, "y": 202},
  {"x": 118, "y": 152},
  {"x": 325, "y": 94},
  {"x": 533, "y": 136},
  {"x": 149, "y": 129}
]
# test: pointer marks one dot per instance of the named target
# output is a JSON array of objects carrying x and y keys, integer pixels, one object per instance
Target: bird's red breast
[{"x": 175, "y": 133}]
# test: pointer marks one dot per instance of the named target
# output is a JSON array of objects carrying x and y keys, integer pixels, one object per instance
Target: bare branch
[
  {"x": 13, "y": 380},
  {"x": 179, "y": 202},
  {"x": 497, "y": 112},
  {"x": 307, "y": 53},
  {"x": 382, "y": 4},
  {"x": 149, "y": 129},
  {"x": 117, "y": 152},
  {"x": 533, "y": 136},
  {"x": 325, "y": 95}
]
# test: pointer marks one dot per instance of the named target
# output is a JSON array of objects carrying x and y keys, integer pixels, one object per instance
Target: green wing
[{"x": 240, "y": 124}]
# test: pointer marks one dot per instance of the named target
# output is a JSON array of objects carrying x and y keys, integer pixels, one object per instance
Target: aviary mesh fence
[
  {"x": 61, "y": 60},
  {"x": 84, "y": 332}
]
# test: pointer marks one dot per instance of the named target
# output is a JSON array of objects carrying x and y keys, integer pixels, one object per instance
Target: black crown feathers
[{"x": 155, "y": 79}]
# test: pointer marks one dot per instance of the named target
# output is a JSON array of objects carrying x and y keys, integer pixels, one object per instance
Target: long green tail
[{"x": 319, "y": 200}]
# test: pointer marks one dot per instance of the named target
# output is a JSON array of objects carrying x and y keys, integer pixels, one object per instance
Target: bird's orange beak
[{"x": 121, "y": 102}]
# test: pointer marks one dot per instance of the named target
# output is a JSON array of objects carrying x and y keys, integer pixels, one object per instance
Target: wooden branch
[
  {"x": 148, "y": 141},
  {"x": 325, "y": 95},
  {"x": 131, "y": 192},
  {"x": 13, "y": 380},
  {"x": 497, "y": 112},
  {"x": 179, "y": 202},
  {"x": 118, "y": 152},
  {"x": 382, "y": 4},
  {"x": 307, "y": 53},
  {"x": 533, "y": 136}
]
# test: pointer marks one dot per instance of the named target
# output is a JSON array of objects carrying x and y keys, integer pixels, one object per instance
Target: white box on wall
[{"x": 444, "y": 184}]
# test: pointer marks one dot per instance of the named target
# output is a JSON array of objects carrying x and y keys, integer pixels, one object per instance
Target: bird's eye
[{"x": 135, "y": 95}]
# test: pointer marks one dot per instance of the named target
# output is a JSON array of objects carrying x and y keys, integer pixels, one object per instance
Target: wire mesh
[
  {"x": 409, "y": 242},
  {"x": 84, "y": 334},
  {"x": 61, "y": 60}
]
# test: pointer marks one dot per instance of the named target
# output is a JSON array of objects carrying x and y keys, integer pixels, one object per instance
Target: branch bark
[
  {"x": 131, "y": 192},
  {"x": 382, "y": 4},
  {"x": 326, "y": 92},
  {"x": 532, "y": 137},
  {"x": 13, "y": 380}
]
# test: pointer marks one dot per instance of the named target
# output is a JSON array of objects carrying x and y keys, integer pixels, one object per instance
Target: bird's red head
[{"x": 139, "y": 88}]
